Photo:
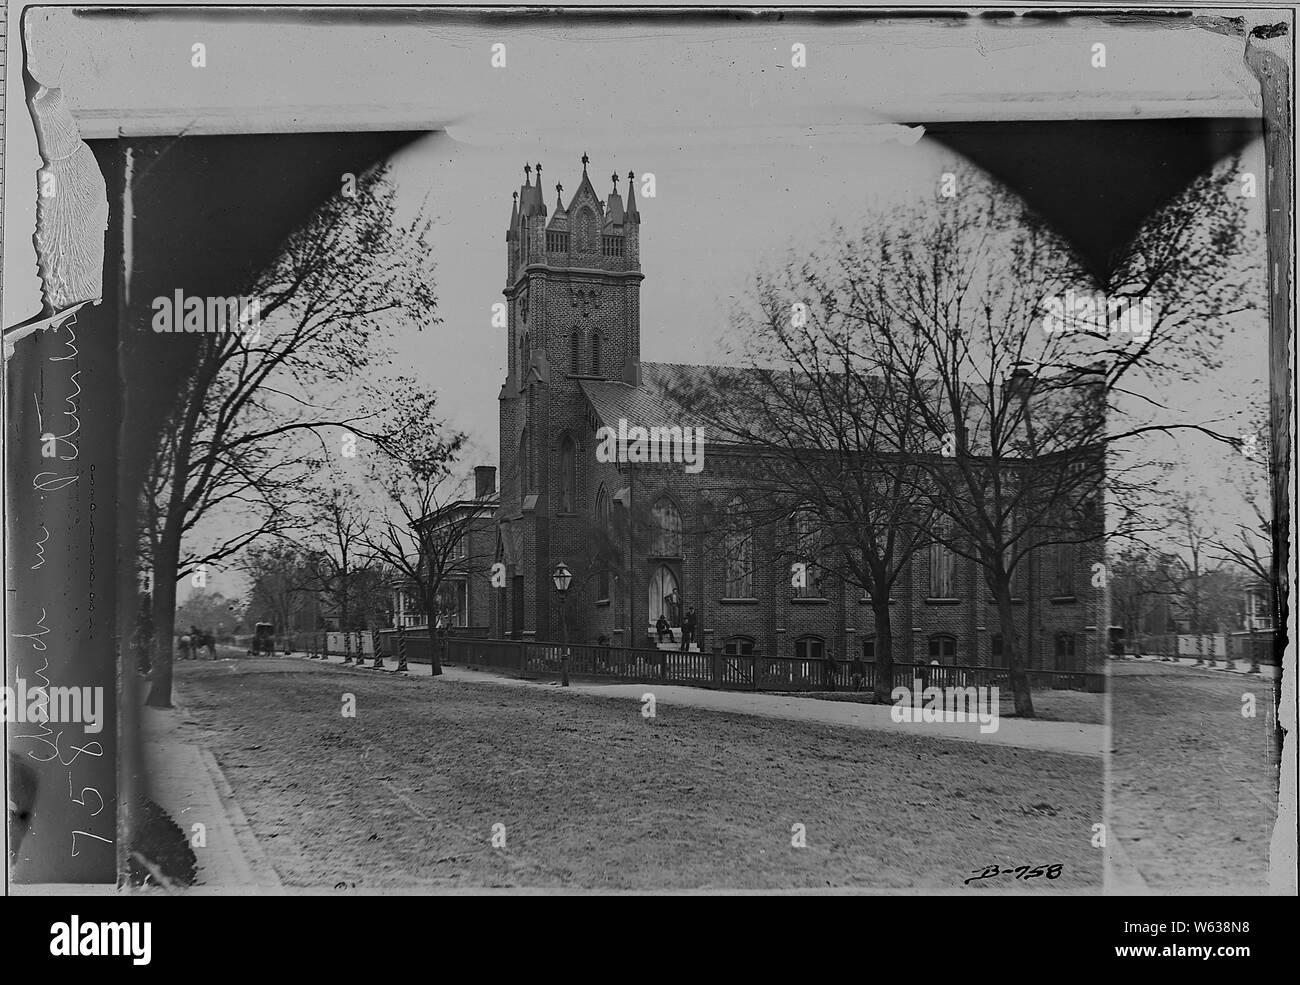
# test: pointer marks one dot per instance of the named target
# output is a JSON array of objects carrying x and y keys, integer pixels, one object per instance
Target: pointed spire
[
  {"x": 613, "y": 207},
  {"x": 514, "y": 215},
  {"x": 539, "y": 174},
  {"x": 528, "y": 175},
  {"x": 559, "y": 202},
  {"x": 632, "y": 215}
]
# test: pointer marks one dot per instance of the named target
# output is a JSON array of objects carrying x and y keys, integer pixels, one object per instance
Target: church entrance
[{"x": 664, "y": 596}]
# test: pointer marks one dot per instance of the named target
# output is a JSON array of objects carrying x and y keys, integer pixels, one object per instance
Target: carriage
[{"x": 263, "y": 640}]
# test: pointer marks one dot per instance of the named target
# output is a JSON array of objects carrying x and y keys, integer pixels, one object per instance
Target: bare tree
[
  {"x": 281, "y": 580},
  {"x": 1007, "y": 400},
  {"x": 424, "y": 535},
  {"x": 295, "y": 369}
]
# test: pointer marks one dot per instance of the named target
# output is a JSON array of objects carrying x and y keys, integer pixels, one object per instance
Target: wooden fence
[{"x": 728, "y": 672}]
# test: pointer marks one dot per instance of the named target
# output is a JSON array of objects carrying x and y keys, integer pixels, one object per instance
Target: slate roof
[{"x": 664, "y": 399}]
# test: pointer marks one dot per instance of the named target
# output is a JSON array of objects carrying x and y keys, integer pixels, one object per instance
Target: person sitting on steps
[{"x": 662, "y": 628}]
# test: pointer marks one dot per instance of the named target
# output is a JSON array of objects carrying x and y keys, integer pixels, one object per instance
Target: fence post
[
  {"x": 401, "y": 649},
  {"x": 753, "y": 676},
  {"x": 717, "y": 665},
  {"x": 374, "y": 645},
  {"x": 347, "y": 647}
]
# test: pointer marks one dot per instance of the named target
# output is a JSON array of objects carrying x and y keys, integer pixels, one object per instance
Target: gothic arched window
[
  {"x": 667, "y": 529},
  {"x": 575, "y": 352},
  {"x": 568, "y": 474},
  {"x": 941, "y": 567},
  {"x": 588, "y": 234},
  {"x": 738, "y": 550},
  {"x": 522, "y": 464},
  {"x": 595, "y": 353},
  {"x": 808, "y": 542},
  {"x": 603, "y": 526}
]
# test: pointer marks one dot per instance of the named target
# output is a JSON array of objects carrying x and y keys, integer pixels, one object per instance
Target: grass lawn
[
  {"x": 1049, "y": 705},
  {"x": 591, "y": 795}
]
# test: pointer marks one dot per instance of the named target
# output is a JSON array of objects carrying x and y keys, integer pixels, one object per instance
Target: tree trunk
[
  {"x": 884, "y": 650},
  {"x": 1020, "y": 689},
  {"x": 433, "y": 634},
  {"x": 166, "y": 561}
]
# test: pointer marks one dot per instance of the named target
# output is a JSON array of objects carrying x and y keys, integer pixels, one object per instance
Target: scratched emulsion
[{"x": 60, "y": 447}]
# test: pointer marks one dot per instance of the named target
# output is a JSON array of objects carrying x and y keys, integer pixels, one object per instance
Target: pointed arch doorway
[{"x": 664, "y": 596}]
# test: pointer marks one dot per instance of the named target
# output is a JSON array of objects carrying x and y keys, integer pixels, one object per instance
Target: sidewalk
[
  {"x": 1221, "y": 664},
  {"x": 186, "y": 781},
  {"x": 1064, "y": 737}
]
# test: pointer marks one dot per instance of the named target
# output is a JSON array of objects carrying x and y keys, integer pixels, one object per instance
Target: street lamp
[{"x": 562, "y": 578}]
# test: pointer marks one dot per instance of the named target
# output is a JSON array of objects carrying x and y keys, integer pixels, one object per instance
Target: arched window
[
  {"x": 602, "y": 523},
  {"x": 666, "y": 539},
  {"x": 588, "y": 234},
  {"x": 522, "y": 464},
  {"x": 596, "y": 354},
  {"x": 944, "y": 649},
  {"x": 663, "y": 597},
  {"x": 868, "y": 648},
  {"x": 738, "y": 551},
  {"x": 941, "y": 566},
  {"x": 568, "y": 475},
  {"x": 575, "y": 352},
  {"x": 809, "y": 648},
  {"x": 806, "y": 575},
  {"x": 1064, "y": 569},
  {"x": 525, "y": 355},
  {"x": 739, "y": 646}
]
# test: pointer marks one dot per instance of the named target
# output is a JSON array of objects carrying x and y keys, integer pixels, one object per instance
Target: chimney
[
  {"x": 1018, "y": 384},
  {"x": 485, "y": 481}
]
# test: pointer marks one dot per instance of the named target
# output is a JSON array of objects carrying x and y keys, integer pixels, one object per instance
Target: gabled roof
[{"x": 664, "y": 397}]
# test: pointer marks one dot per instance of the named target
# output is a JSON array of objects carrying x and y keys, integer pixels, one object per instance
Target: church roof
[
  {"x": 662, "y": 399},
  {"x": 667, "y": 391}
]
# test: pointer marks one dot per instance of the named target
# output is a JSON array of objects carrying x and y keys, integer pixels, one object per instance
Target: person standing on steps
[{"x": 688, "y": 630}]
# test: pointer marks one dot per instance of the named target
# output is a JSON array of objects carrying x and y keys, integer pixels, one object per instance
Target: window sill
[
  {"x": 738, "y": 601},
  {"x": 810, "y": 601},
  {"x": 867, "y": 601},
  {"x": 944, "y": 601},
  {"x": 1064, "y": 599},
  {"x": 1014, "y": 601},
  {"x": 601, "y": 602}
]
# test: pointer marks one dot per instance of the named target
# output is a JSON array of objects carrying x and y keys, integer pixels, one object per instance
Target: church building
[{"x": 573, "y": 288}]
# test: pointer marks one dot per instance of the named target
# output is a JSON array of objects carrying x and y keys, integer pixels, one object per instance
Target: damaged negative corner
[{"x": 71, "y": 205}]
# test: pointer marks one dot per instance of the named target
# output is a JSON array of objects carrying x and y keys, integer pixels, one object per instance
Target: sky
[{"x": 751, "y": 157}]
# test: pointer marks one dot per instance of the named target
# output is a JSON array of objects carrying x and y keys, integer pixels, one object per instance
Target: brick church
[{"x": 573, "y": 289}]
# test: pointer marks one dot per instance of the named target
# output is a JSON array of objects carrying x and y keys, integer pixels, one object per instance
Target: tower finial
[
  {"x": 539, "y": 174},
  {"x": 559, "y": 203},
  {"x": 631, "y": 211},
  {"x": 614, "y": 178},
  {"x": 585, "y": 161},
  {"x": 528, "y": 175}
]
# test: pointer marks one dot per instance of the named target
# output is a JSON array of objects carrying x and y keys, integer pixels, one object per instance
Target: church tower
[{"x": 573, "y": 285}]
